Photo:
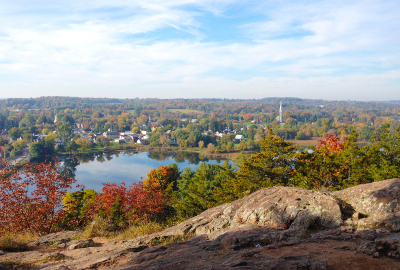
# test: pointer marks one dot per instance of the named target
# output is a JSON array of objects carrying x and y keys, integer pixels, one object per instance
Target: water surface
[{"x": 94, "y": 169}]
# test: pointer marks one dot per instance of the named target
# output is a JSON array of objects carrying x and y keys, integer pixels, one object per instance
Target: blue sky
[{"x": 200, "y": 49}]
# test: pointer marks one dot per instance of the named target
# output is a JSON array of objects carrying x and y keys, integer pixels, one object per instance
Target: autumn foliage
[
  {"x": 164, "y": 176},
  {"x": 322, "y": 167},
  {"x": 30, "y": 199},
  {"x": 122, "y": 204},
  {"x": 331, "y": 144}
]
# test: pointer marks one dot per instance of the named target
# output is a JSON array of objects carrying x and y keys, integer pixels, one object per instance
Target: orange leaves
[
  {"x": 162, "y": 176},
  {"x": 30, "y": 199},
  {"x": 247, "y": 117},
  {"x": 330, "y": 145}
]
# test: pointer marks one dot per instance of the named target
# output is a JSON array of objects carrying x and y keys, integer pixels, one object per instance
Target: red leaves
[
  {"x": 30, "y": 199},
  {"x": 330, "y": 144},
  {"x": 137, "y": 201},
  {"x": 324, "y": 166}
]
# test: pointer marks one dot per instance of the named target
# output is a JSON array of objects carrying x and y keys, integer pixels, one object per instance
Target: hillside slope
[{"x": 274, "y": 228}]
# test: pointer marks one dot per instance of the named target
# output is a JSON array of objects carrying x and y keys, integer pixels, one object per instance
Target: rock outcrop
[
  {"x": 57, "y": 238},
  {"x": 275, "y": 228},
  {"x": 273, "y": 208},
  {"x": 374, "y": 205}
]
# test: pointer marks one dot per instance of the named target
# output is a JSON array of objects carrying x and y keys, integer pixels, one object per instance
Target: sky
[{"x": 335, "y": 50}]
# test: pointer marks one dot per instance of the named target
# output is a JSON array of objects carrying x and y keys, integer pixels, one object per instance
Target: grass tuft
[
  {"x": 16, "y": 266},
  {"x": 99, "y": 228},
  {"x": 15, "y": 243}
]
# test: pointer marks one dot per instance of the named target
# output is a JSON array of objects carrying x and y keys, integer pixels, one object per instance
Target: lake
[{"x": 92, "y": 170}]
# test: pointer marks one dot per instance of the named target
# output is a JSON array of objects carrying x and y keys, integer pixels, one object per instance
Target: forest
[{"x": 61, "y": 125}]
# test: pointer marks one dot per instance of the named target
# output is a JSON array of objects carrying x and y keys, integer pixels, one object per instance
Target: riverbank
[{"x": 146, "y": 148}]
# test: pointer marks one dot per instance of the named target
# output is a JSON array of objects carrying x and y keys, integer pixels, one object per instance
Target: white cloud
[{"x": 91, "y": 48}]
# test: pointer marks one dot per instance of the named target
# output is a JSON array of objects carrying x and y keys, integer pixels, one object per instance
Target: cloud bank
[{"x": 193, "y": 49}]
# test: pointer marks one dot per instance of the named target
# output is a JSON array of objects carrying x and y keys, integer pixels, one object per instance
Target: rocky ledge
[{"x": 274, "y": 228}]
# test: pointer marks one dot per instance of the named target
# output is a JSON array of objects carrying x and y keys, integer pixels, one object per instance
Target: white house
[
  {"x": 140, "y": 141},
  {"x": 239, "y": 137}
]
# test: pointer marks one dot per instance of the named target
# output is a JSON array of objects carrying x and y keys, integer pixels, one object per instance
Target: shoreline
[{"x": 230, "y": 155}]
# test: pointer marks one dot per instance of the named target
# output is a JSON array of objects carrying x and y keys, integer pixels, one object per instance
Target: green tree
[
  {"x": 14, "y": 133},
  {"x": 196, "y": 189},
  {"x": 19, "y": 145},
  {"x": 27, "y": 121},
  {"x": 64, "y": 131},
  {"x": 155, "y": 139},
  {"x": 6, "y": 147},
  {"x": 71, "y": 147},
  {"x": 41, "y": 149},
  {"x": 83, "y": 143},
  {"x": 184, "y": 181},
  {"x": 27, "y": 137},
  {"x": 77, "y": 205},
  {"x": 384, "y": 154},
  {"x": 3, "y": 141},
  {"x": 301, "y": 135},
  {"x": 270, "y": 167},
  {"x": 201, "y": 144}
]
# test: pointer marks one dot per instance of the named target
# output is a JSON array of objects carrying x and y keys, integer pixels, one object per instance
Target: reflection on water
[{"x": 94, "y": 169}]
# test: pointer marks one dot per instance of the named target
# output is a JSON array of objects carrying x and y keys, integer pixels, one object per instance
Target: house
[
  {"x": 126, "y": 133},
  {"x": 126, "y": 138},
  {"x": 39, "y": 137},
  {"x": 209, "y": 132},
  {"x": 111, "y": 135},
  {"x": 172, "y": 142},
  {"x": 141, "y": 141},
  {"x": 219, "y": 133},
  {"x": 239, "y": 138},
  {"x": 59, "y": 143},
  {"x": 4, "y": 134}
]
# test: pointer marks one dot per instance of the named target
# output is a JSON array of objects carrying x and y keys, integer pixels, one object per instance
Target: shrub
[
  {"x": 118, "y": 205},
  {"x": 30, "y": 199}
]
